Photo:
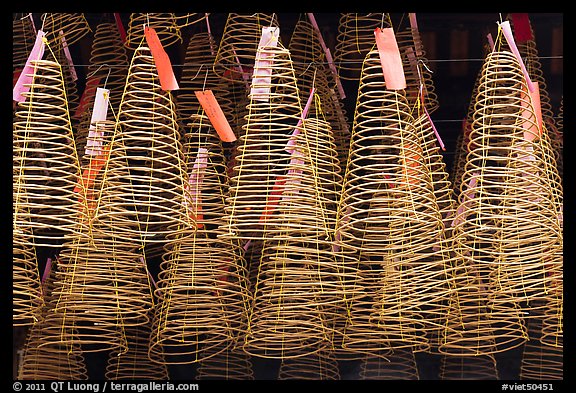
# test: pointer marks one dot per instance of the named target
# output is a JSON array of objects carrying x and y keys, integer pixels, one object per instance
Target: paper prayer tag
[
  {"x": 194, "y": 184},
  {"x": 505, "y": 26},
  {"x": 273, "y": 198},
  {"x": 99, "y": 113},
  {"x": 414, "y": 30},
  {"x": 390, "y": 59},
  {"x": 292, "y": 140},
  {"x": 25, "y": 78},
  {"x": 262, "y": 76},
  {"x": 215, "y": 115},
  {"x": 89, "y": 92},
  {"x": 522, "y": 29},
  {"x": 120, "y": 26},
  {"x": 163, "y": 65},
  {"x": 531, "y": 100}
]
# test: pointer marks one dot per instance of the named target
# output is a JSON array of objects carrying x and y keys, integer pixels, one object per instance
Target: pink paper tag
[
  {"x": 390, "y": 59},
  {"x": 68, "y": 56},
  {"x": 25, "y": 79},
  {"x": 33, "y": 24},
  {"x": 262, "y": 76},
  {"x": 522, "y": 30},
  {"x": 296, "y": 131},
  {"x": 414, "y": 28},
  {"x": 490, "y": 40},
  {"x": 329, "y": 58},
  {"x": 210, "y": 35},
  {"x": 195, "y": 182},
  {"x": 510, "y": 39},
  {"x": 469, "y": 194},
  {"x": 47, "y": 270},
  {"x": 99, "y": 113}
]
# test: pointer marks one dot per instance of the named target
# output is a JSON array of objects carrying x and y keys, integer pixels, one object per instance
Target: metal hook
[
  {"x": 425, "y": 65},
  {"x": 205, "y": 78},
  {"x": 272, "y": 19},
  {"x": 97, "y": 69},
  {"x": 43, "y": 17},
  {"x": 199, "y": 69},
  {"x": 309, "y": 65},
  {"x": 382, "y": 23}
]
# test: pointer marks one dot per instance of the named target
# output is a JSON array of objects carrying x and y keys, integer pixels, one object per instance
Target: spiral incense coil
[
  {"x": 26, "y": 290},
  {"x": 74, "y": 26},
  {"x": 354, "y": 40},
  {"x": 23, "y": 38},
  {"x": 109, "y": 61},
  {"x": 479, "y": 368},
  {"x": 306, "y": 51},
  {"x": 540, "y": 361},
  {"x": 46, "y": 166},
  {"x": 231, "y": 364},
  {"x": 201, "y": 265},
  {"x": 237, "y": 51},
  {"x": 262, "y": 159},
  {"x": 398, "y": 365},
  {"x": 317, "y": 366},
  {"x": 101, "y": 289},
  {"x": 415, "y": 71},
  {"x": 55, "y": 361},
  {"x": 507, "y": 216},
  {"x": 134, "y": 364},
  {"x": 184, "y": 20},
  {"x": 198, "y": 75},
  {"x": 388, "y": 213},
  {"x": 144, "y": 188},
  {"x": 72, "y": 97},
  {"x": 165, "y": 26}
]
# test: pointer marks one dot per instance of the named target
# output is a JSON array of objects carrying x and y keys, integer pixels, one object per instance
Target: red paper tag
[
  {"x": 16, "y": 76},
  {"x": 162, "y": 61},
  {"x": 90, "y": 173},
  {"x": 273, "y": 198},
  {"x": 216, "y": 115},
  {"x": 87, "y": 96},
  {"x": 390, "y": 59},
  {"x": 522, "y": 30},
  {"x": 120, "y": 27}
]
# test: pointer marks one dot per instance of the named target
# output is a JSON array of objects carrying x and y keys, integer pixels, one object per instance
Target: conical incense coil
[
  {"x": 164, "y": 24},
  {"x": 101, "y": 289},
  {"x": 263, "y": 157},
  {"x": 74, "y": 27},
  {"x": 46, "y": 166},
  {"x": 184, "y": 20},
  {"x": 134, "y": 363},
  {"x": 388, "y": 211},
  {"x": 72, "y": 97},
  {"x": 354, "y": 40},
  {"x": 202, "y": 266},
  {"x": 26, "y": 290},
  {"x": 23, "y": 38},
  {"x": 318, "y": 366},
  {"x": 231, "y": 364},
  {"x": 52, "y": 362},
  {"x": 144, "y": 187},
  {"x": 109, "y": 61},
  {"x": 540, "y": 361},
  {"x": 400, "y": 364},
  {"x": 508, "y": 205},
  {"x": 481, "y": 367},
  {"x": 198, "y": 75},
  {"x": 306, "y": 52},
  {"x": 237, "y": 51}
]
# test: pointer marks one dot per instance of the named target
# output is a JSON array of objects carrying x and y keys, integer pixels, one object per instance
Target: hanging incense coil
[
  {"x": 198, "y": 75},
  {"x": 52, "y": 362},
  {"x": 306, "y": 53},
  {"x": 398, "y": 365},
  {"x": 109, "y": 62},
  {"x": 237, "y": 51},
  {"x": 354, "y": 40},
  {"x": 540, "y": 361},
  {"x": 201, "y": 265},
  {"x": 74, "y": 26},
  {"x": 164, "y": 24},
  {"x": 46, "y": 166},
  {"x": 508, "y": 203},
  {"x": 317, "y": 366},
  {"x": 26, "y": 290},
  {"x": 231, "y": 364},
  {"x": 144, "y": 189},
  {"x": 23, "y": 38},
  {"x": 482, "y": 367},
  {"x": 135, "y": 364},
  {"x": 388, "y": 214}
]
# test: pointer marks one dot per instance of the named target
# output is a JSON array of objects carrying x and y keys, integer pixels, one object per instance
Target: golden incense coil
[
  {"x": 231, "y": 364},
  {"x": 164, "y": 24},
  {"x": 318, "y": 366},
  {"x": 400, "y": 364},
  {"x": 23, "y": 38},
  {"x": 74, "y": 26},
  {"x": 481, "y": 367}
]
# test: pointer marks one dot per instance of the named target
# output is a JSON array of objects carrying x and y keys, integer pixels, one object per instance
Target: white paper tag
[
  {"x": 99, "y": 113},
  {"x": 262, "y": 76}
]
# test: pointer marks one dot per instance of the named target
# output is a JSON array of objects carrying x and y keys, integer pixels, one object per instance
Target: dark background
[{"x": 453, "y": 43}]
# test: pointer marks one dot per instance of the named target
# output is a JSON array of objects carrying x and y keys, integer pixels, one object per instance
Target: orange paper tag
[
  {"x": 412, "y": 161},
  {"x": 531, "y": 130},
  {"x": 90, "y": 173},
  {"x": 88, "y": 94},
  {"x": 216, "y": 115},
  {"x": 390, "y": 59},
  {"x": 273, "y": 198},
  {"x": 162, "y": 61}
]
